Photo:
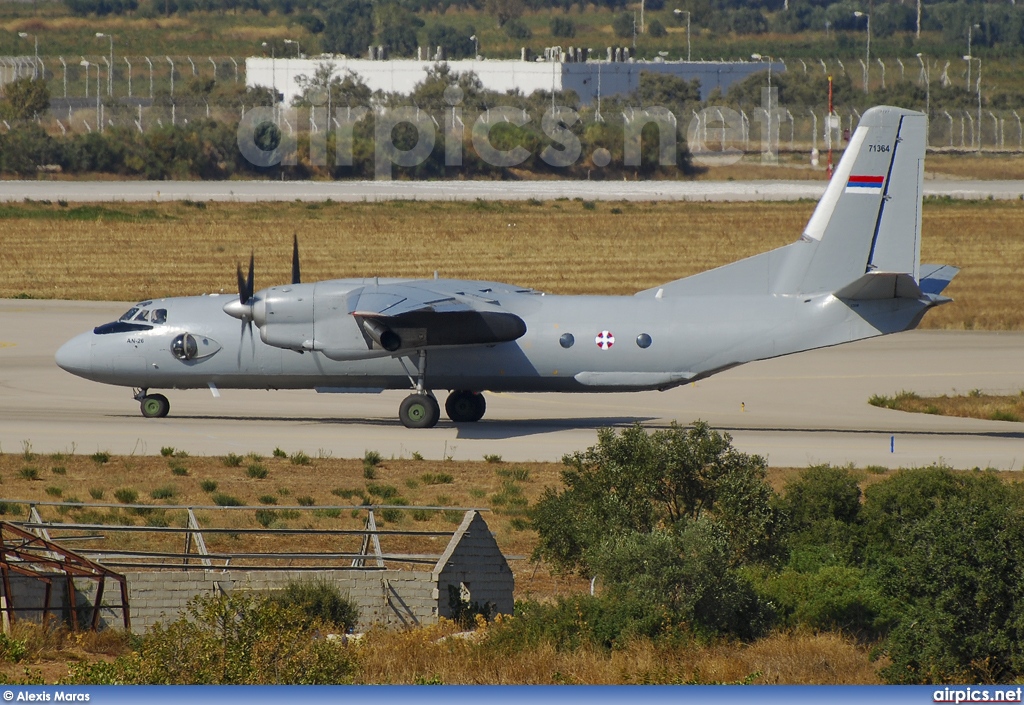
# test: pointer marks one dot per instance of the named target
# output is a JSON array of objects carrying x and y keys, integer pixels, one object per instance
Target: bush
[
  {"x": 656, "y": 29},
  {"x": 300, "y": 458},
  {"x": 165, "y": 492},
  {"x": 208, "y": 485},
  {"x": 623, "y": 25},
  {"x": 225, "y": 500},
  {"x": 100, "y": 457},
  {"x": 126, "y": 495},
  {"x": 320, "y": 600},
  {"x": 256, "y": 471},
  {"x": 241, "y": 639},
  {"x": 517, "y": 29},
  {"x": 562, "y": 27},
  {"x": 232, "y": 461}
]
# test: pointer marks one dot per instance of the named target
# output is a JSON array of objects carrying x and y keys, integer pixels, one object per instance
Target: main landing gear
[
  {"x": 154, "y": 406},
  {"x": 421, "y": 410}
]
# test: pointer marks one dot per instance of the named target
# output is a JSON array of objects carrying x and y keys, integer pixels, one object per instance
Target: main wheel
[
  {"x": 464, "y": 406},
  {"x": 155, "y": 406},
  {"x": 419, "y": 411}
]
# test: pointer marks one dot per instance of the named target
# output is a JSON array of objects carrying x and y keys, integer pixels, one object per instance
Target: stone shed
[{"x": 472, "y": 569}]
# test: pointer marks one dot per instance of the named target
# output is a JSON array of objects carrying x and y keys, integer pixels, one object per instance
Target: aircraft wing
[{"x": 404, "y": 316}]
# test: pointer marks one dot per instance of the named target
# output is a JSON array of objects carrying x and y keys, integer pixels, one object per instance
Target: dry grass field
[
  {"x": 132, "y": 252},
  {"x": 974, "y": 405}
]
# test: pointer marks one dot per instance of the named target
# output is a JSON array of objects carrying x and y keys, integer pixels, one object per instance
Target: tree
[
  {"x": 640, "y": 482},
  {"x": 456, "y": 43},
  {"x": 656, "y": 29},
  {"x": 348, "y": 28},
  {"x": 562, "y": 27},
  {"x": 624, "y": 25},
  {"x": 396, "y": 29},
  {"x": 665, "y": 520},
  {"x": 505, "y": 10},
  {"x": 25, "y": 98}
]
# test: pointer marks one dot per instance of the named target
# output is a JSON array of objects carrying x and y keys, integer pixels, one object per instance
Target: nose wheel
[
  {"x": 463, "y": 406},
  {"x": 154, "y": 406}
]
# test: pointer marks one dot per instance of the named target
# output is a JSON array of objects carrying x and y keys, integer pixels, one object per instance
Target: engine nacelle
[{"x": 286, "y": 316}]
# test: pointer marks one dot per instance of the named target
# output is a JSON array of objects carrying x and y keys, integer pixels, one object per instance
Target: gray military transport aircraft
[{"x": 855, "y": 273}]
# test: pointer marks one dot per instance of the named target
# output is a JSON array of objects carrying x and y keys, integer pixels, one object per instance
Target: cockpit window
[
  {"x": 129, "y": 314},
  {"x": 142, "y": 315},
  {"x": 159, "y": 316}
]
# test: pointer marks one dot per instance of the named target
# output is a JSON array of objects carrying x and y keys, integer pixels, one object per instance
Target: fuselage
[{"x": 571, "y": 344}]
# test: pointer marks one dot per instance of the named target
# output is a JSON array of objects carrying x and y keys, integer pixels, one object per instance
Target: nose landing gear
[{"x": 153, "y": 406}]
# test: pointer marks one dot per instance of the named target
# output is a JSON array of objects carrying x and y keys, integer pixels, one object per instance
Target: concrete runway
[
  {"x": 252, "y": 191},
  {"x": 799, "y": 410}
]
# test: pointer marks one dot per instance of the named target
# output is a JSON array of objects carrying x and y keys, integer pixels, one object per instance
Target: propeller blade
[
  {"x": 296, "y": 279},
  {"x": 242, "y": 298},
  {"x": 249, "y": 281}
]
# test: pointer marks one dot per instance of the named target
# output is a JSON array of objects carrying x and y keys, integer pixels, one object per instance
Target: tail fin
[{"x": 869, "y": 219}]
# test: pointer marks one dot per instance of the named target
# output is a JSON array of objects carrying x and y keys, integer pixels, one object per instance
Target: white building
[{"x": 589, "y": 79}]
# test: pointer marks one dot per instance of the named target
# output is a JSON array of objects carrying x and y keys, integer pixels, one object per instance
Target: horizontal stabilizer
[
  {"x": 881, "y": 285},
  {"x": 936, "y": 277}
]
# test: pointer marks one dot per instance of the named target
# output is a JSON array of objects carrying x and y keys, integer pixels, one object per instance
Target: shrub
[
  {"x": 392, "y": 515},
  {"x": 59, "y": 470},
  {"x": 300, "y": 458},
  {"x": 320, "y": 600},
  {"x": 517, "y": 29},
  {"x": 517, "y": 474},
  {"x": 561, "y": 27},
  {"x": 278, "y": 453},
  {"x": 241, "y": 639},
  {"x": 492, "y": 458},
  {"x": 179, "y": 470},
  {"x": 167, "y": 451},
  {"x": 305, "y": 501},
  {"x": 96, "y": 492},
  {"x": 232, "y": 461},
  {"x": 28, "y": 473},
  {"x": 54, "y": 491},
  {"x": 267, "y": 499},
  {"x": 385, "y": 492},
  {"x": 439, "y": 478},
  {"x": 165, "y": 492},
  {"x": 256, "y": 471},
  {"x": 208, "y": 485},
  {"x": 225, "y": 500},
  {"x": 100, "y": 457},
  {"x": 265, "y": 517},
  {"x": 126, "y": 495},
  {"x": 656, "y": 29}
]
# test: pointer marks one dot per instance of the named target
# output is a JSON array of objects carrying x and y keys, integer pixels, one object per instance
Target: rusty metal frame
[{"x": 25, "y": 553}]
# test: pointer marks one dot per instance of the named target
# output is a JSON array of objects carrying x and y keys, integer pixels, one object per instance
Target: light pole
[
  {"x": 85, "y": 63},
  {"x": 927, "y": 86},
  {"x": 867, "y": 65},
  {"x": 214, "y": 64},
  {"x": 148, "y": 61},
  {"x": 110, "y": 71},
  {"x": 970, "y": 27},
  {"x": 679, "y": 13},
  {"x": 35, "y": 66},
  {"x": 129, "y": 76},
  {"x": 65, "y": 66},
  {"x": 298, "y": 51},
  {"x": 273, "y": 70},
  {"x": 172, "y": 74},
  {"x": 770, "y": 109},
  {"x": 968, "y": 58},
  {"x": 476, "y": 45}
]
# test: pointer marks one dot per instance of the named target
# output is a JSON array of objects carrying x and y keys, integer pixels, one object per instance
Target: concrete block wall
[
  {"x": 395, "y": 597},
  {"x": 392, "y": 597},
  {"x": 30, "y": 595}
]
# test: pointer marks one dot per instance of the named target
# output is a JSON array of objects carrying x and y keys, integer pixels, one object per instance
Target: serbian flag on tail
[{"x": 865, "y": 184}]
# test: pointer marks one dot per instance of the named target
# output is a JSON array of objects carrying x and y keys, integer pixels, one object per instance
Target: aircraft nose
[{"x": 75, "y": 356}]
